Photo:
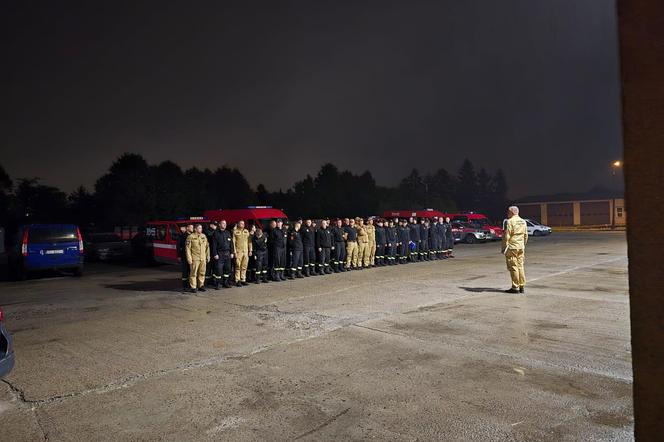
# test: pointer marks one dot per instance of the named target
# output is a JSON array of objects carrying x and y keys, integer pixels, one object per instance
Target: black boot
[
  {"x": 265, "y": 278},
  {"x": 291, "y": 274},
  {"x": 299, "y": 274}
]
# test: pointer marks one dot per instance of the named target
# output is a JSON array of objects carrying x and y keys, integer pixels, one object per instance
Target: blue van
[{"x": 47, "y": 247}]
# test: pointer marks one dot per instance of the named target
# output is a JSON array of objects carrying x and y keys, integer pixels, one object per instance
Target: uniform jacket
[
  {"x": 351, "y": 233},
  {"x": 381, "y": 238},
  {"x": 404, "y": 234},
  {"x": 391, "y": 235},
  {"x": 241, "y": 241},
  {"x": 415, "y": 233},
  {"x": 180, "y": 247},
  {"x": 259, "y": 244},
  {"x": 295, "y": 240},
  {"x": 447, "y": 228},
  {"x": 371, "y": 232},
  {"x": 433, "y": 233},
  {"x": 424, "y": 232},
  {"x": 338, "y": 234},
  {"x": 197, "y": 247},
  {"x": 277, "y": 238},
  {"x": 221, "y": 242},
  {"x": 515, "y": 235},
  {"x": 308, "y": 236},
  {"x": 323, "y": 238},
  {"x": 362, "y": 235}
]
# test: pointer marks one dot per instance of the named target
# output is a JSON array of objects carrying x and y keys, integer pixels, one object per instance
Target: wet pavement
[{"x": 427, "y": 351}]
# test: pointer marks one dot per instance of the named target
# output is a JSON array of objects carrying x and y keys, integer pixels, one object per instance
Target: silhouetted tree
[
  {"x": 126, "y": 194},
  {"x": 466, "y": 189}
]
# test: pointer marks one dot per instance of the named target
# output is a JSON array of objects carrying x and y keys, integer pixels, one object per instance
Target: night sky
[{"x": 278, "y": 88}]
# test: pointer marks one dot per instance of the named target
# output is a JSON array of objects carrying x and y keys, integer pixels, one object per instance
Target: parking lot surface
[{"x": 427, "y": 351}]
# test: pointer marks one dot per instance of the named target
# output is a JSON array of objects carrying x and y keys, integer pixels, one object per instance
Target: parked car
[
  {"x": 46, "y": 247},
  {"x": 6, "y": 348},
  {"x": 537, "y": 229},
  {"x": 465, "y": 233},
  {"x": 106, "y": 247},
  {"x": 480, "y": 221}
]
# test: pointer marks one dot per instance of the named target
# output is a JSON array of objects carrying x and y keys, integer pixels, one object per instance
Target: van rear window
[{"x": 53, "y": 234}]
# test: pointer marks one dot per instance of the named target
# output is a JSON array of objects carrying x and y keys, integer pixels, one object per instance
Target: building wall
[{"x": 577, "y": 213}]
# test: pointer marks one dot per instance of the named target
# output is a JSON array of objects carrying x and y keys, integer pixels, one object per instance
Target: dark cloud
[{"x": 278, "y": 88}]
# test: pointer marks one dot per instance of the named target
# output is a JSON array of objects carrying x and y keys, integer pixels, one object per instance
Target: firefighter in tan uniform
[
  {"x": 371, "y": 246},
  {"x": 515, "y": 239},
  {"x": 197, "y": 251},
  {"x": 362, "y": 244},
  {"x": 243, "y": 249}
]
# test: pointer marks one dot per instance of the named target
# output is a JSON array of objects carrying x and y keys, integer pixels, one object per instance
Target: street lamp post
[{"x": 615, "y": 166}]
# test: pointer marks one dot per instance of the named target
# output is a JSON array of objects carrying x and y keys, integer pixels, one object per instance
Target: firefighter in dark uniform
[
  {"x": 296, "y": 250},
  {"x": 415, "y": 238},
  {"x": 339, "y": 256},
  {"x": 391, "y": 239},
  {"x": 433, "y": 238},
  {"x": 404, "y": 240},
  {"x": 182, "y": 254},
  {"x": 209, "y": 231},
  {"x": 424, "y": 239},
  {"x": 324, "y": 247},
  {"x": 381, "y": 243},
  {"x": 221, "y": 249},
  {"x": 449, "y": 236},
  {"x": 259, "y": 245},
  {"x": 308, "y": 235},
  {"x": 278, "y": 242},
  {"x": 442, "y": 238}
]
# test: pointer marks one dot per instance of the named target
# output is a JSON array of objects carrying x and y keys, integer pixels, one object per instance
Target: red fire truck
[
  {"x": 161, "y": 236},
  {"x": 424, "y": 213},
  {"x": 478, "y": 221}
]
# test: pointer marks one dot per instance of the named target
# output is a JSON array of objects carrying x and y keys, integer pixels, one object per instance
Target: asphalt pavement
[{"x": 418, "y": 352}]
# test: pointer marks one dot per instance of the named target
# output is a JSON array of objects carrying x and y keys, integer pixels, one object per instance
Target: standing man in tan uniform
[
  {"x": 371, "y": 247},
  {"x": 362, "y": 244},
  {"x": 515, "y": 239},
  {"x": 197, "y": 251},
  {"x": 243, "y": 248}
]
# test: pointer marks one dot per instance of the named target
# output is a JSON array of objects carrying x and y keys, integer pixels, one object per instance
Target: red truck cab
[{"x": 480, "y": 221}]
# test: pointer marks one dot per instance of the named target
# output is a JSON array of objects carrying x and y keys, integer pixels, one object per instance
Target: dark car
[
  {"x": 6, "y": 348},
  {"x": 46, "y": 247},
  {"x": 106, "y": 247}
]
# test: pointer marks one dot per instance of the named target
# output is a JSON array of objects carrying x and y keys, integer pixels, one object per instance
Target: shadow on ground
[
  {"x": 159, "y": 285},
  {"x": 482, "y": 289}
]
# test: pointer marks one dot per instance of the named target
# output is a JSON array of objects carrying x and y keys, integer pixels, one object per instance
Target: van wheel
[
  {"x": 537, "y": 233},
  {"x": 78, "y": 272},
  {"x": 470, "y": 239}
]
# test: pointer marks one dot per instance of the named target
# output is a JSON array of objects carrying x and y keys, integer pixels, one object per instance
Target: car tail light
[
  {"x": 2, "y": 315},
  {"x": 80, "y": 241},
  {"x": 24, "y": 243}
]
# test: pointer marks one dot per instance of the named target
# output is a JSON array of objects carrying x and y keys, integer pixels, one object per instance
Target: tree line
[{"x": 133, "y": 192}]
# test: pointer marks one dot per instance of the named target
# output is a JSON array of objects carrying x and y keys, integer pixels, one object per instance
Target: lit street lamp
[{"x": 616, "y": 165}]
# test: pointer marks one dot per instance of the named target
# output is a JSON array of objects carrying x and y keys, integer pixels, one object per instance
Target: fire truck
[
  {"x": 424, "y": 213},
  {"x": 478, "y": 221},
  {"x": 161, "y": 236}
]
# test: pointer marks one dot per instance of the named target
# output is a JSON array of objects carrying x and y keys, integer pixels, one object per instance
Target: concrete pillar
[
  {"x": 545, "y": 214},
  {"x": 641, "y": 30},
  {"x": 576, "y": 216}
]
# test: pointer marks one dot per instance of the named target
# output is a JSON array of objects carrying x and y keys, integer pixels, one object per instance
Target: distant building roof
[{"x": 596, "y": 193}]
